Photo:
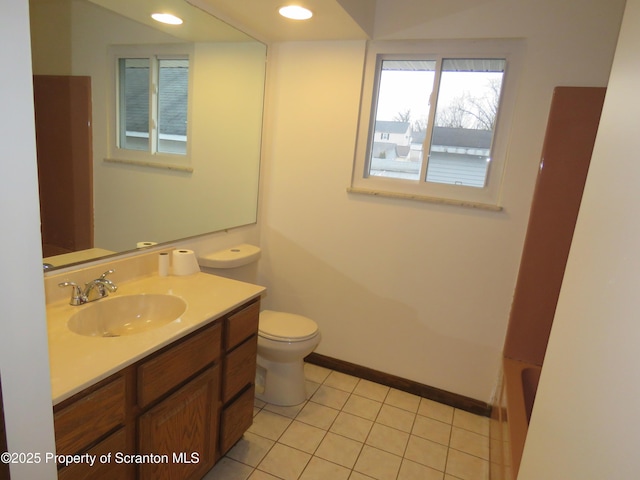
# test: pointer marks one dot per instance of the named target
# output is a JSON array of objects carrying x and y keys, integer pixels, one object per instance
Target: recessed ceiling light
[
  {"x": 295, "y": 12},
  {"x": 166, "y": 18}
]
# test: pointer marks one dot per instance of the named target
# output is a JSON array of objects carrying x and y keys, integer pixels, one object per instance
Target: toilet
[{"x": 284, "y": 339}]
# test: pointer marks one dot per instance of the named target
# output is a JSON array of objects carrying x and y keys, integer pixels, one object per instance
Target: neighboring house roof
[
  {"x": 456, "y": 137},
  {"x": 461, "y": 137},
  {"x": 385, "y": 126},
  {"x": 443, "y": 136}
]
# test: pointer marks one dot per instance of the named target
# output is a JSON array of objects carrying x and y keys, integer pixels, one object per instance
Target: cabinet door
[{"x": 180, "y": 432}]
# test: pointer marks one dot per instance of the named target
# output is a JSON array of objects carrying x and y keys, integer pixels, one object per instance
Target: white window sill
[
  {"x": 426, "y": 199},
  {"x": 144, "y": 163}
]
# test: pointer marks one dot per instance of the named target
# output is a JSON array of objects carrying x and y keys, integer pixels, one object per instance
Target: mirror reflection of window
[
  {"x": 134, "y": 103},
  {"x": 173, "y": 81},
  {"x": 153, "y": 99}
]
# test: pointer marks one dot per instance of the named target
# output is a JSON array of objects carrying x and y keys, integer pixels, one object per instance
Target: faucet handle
[
  {"x": 108, "y": 272},
  {"x": 77, "y": 297}
]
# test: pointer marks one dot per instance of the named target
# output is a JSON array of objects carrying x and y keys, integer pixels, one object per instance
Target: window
[
  {"x": 151, "y": 105},
  {"x": 430, "y": 121}
]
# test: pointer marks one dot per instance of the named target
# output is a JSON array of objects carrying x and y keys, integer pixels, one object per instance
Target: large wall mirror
[{"x": 215, "y": 189}]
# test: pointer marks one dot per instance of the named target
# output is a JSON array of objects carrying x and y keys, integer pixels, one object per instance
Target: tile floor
[{"x": 353, "y": 429}]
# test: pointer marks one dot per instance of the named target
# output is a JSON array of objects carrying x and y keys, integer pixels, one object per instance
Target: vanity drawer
[
  {"x": 242, "y": 325},
  {"x": 236, "y": 419},
  {"x": 84, "y": 421},
  {"x": 171, "y": 367},
  {"x": 116, "y": 442},
  {"x": 239, "y": 368}
]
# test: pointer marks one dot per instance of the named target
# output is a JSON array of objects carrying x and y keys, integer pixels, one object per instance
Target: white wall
[
  {"x": 586, "y": 415},
  {"x": 417, "y": 290},
  {"x": 24, "y": 360}
]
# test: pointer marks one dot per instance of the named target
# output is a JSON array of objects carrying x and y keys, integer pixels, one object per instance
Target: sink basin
[{"x": 126, "y": 315}]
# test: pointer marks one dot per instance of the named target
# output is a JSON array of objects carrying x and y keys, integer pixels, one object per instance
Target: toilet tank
[{"x": 239, "y": 262}]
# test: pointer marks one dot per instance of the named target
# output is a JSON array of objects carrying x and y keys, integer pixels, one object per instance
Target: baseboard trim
[{"x": 442, "y": 396}]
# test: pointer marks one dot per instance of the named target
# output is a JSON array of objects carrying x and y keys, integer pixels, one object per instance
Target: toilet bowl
[{"x": 284, "y": 339}]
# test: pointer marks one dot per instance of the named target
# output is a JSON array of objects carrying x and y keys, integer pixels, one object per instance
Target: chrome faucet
[{"x": 93, "y": 290}]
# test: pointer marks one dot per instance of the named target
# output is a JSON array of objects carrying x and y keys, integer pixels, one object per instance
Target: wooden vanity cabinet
[
  {"x": 95, "y": 421},
  {"x": 185, "y": 405},
  {"x": 239, "y": 371}
]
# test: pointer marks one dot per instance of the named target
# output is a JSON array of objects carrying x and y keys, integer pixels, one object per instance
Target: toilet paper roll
[
  {"x": 163, "y": 264},
  {"x": 145, "y": 244},
  {"x": 184, "y": 262}
]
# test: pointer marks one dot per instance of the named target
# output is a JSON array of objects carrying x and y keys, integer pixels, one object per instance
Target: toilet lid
[{"x": 286, "y": 326}]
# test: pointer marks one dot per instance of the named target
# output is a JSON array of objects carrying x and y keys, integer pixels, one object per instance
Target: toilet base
[{"x": 281, "y": 384}]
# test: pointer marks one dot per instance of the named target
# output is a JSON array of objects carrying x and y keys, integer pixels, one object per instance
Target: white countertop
[{"x": 78, "y": 361}]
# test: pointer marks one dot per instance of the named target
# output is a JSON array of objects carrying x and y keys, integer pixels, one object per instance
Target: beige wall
[
  {"x": 418, "y": 290},
  {"x": 586, "y": 415}
]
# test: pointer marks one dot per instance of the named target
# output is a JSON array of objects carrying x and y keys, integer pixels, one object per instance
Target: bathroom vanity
[{"x": 162, "y": 403}]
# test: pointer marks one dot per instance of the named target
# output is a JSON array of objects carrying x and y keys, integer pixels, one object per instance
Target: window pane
[
  {"x": 402, "y": 112},
  {"x": 172, "y": 106},
  {"x": 466, "y": 113},
  {"x": 134, "y": 103}
]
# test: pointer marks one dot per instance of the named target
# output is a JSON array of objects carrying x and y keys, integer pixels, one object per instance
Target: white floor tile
[
  {"x": 372, "y": 390},
  {"x": 432, "y": 429},
  {"x": 404, "y": 400},
  {"x": 378, "y": 464},
  {"x": 354, "y": 429},
  {"x": 435, "y": 410},
  {"x": 303, "y": 436},
  {"x": 316, "y": 373},
  {"x": 257, "y": 475},
  {"x": 465, "y": 466},
  {"x": 362, "y": 407},
  {"x": 284, "y": 462},
  {"x": 414, "y": 471},
  {"x": 352, "y": 426},
  {"x": 269, "y": 425},
  {"x": 251, "y": 449},
  {"x": 396, "y": 417},
  {"x": 470, "y": 442},
  {"x": 318, "y": 415},
  {"x": 426, "y": 452},
  {"x": 319, "y": 469},
  {"x": 388, "y": 439},
  {"x": 330, "y": 397},
  {"x": 229, "y": 470},
  {"x": 342, "y": 381},
  {"x": 339, "y": 449},
  {"x": 469, "y": 421}
]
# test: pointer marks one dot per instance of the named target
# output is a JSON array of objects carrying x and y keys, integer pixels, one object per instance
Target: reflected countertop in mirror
[{"x": 133, "y": 202}]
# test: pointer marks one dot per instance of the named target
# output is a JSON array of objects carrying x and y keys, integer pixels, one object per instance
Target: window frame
[
  {"x": 487, "y": 197},
  {"x": 151, "y": 157}
]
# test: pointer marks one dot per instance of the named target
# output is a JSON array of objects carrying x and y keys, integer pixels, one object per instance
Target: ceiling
[{"x": 332, "y": 19}]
